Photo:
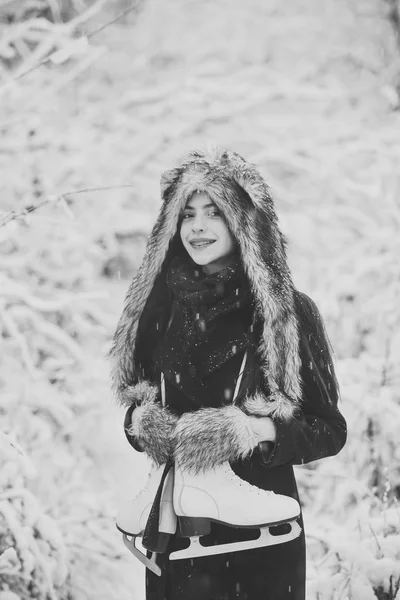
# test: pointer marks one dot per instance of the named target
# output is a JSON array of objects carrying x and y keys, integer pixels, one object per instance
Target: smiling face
[{"x": 205, "y": 234}]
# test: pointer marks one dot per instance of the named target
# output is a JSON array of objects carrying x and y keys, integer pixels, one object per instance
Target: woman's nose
[{"x": 198, "y": 224}]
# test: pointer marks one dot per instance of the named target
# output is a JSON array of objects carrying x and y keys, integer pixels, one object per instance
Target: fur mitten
[
  {"x": 277, "y": 405},
  {"x": 210, "y": 436},
  {"x": 152, "y": 425}
]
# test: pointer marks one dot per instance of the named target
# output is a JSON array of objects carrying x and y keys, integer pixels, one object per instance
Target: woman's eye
[{"x": 213, "y": 213}]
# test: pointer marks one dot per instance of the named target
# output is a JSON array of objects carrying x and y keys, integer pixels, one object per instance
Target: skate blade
[
  {"x": 129, "y": 533},
  {"x": 266, "y": 539},
  {"x": 149, "y": 563}
]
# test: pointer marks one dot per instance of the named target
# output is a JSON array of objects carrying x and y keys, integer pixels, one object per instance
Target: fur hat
[{"x": 251, "y": 217}]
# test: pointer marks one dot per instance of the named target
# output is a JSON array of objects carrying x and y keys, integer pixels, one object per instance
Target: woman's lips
[{"x": 201, "y": 245}]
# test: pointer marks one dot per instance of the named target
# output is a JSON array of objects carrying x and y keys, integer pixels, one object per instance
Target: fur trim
[
  {"x": 143, "y": 392},
  {"x": 223, "y": 175},
  {"x": 210, "y": 436},
  {"x": 153, "y": 428},
  {"x": 152, "y": 425},
  {"x": 276, "y": 405}
]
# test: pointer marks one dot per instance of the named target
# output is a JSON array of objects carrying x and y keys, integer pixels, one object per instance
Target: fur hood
[{"x": 251, "y": 217}]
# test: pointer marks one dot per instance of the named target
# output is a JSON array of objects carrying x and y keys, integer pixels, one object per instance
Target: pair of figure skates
[{"x": 189, "y": 502}]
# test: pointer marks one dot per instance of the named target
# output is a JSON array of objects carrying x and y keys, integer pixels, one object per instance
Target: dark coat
[{"x": 275, "y": 572}]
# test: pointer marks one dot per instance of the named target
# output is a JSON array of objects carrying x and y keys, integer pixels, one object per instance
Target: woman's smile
[{"x": 201, "y": 244}]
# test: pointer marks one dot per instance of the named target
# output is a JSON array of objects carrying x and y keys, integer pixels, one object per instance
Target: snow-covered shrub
[
  {"x": 53, "y": 526},
  {"x": 358, "y": 558},
  {"x": 355, "y": 554}
]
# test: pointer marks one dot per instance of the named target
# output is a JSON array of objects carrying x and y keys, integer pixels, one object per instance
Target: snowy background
[{"x": 307, "y": 90}]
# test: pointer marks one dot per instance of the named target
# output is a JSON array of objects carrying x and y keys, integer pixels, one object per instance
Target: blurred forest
[{"x": 97, "y": 98}]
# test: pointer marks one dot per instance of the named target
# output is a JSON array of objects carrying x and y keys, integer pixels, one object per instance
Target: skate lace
[{"x": 245, "y": 484}]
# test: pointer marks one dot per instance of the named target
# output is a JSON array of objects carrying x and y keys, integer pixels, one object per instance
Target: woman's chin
[
  {"x": 201, "y": 261},
  {"x": 201, "y": 258}
]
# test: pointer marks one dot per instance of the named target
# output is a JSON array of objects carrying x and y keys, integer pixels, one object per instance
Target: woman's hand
[{"x": 264, "y": 428}]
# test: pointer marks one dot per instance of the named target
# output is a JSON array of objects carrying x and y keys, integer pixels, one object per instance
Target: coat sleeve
[{"x": 320, "y": 429}]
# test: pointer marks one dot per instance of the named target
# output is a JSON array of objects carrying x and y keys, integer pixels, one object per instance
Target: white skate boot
[
  {"x": 220, "y": 495},
  {"x": 133, "y": 515}
]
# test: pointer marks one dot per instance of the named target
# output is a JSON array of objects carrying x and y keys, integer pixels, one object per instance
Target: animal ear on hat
[
  {"x": 249, "y": 178},
  {"x": 168, "y": 180}
]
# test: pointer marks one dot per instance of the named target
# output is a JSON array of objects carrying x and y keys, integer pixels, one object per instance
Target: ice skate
[
  {"x": 133, "y": 515},
  {"x": 220, "y": 495}
]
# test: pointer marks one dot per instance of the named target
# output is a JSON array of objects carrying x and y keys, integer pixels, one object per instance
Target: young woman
[{"x": 213, "y": 286}]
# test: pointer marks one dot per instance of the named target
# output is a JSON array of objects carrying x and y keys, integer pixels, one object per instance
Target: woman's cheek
[{"x": 183, "y": 230}]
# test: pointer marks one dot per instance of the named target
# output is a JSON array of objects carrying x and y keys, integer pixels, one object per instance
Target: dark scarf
[{"x": 210, "y": 318}]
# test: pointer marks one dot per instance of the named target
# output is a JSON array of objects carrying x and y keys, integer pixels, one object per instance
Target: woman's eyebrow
[{"x": 188, "y": 207}]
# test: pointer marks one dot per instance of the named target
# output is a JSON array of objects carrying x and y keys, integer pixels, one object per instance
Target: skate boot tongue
[{"x": 238, "y": 481}]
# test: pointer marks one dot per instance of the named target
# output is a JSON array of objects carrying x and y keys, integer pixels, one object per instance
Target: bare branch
[
  {"x": 70, "y": 28},
  {"x": 13, "y": 215}
]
